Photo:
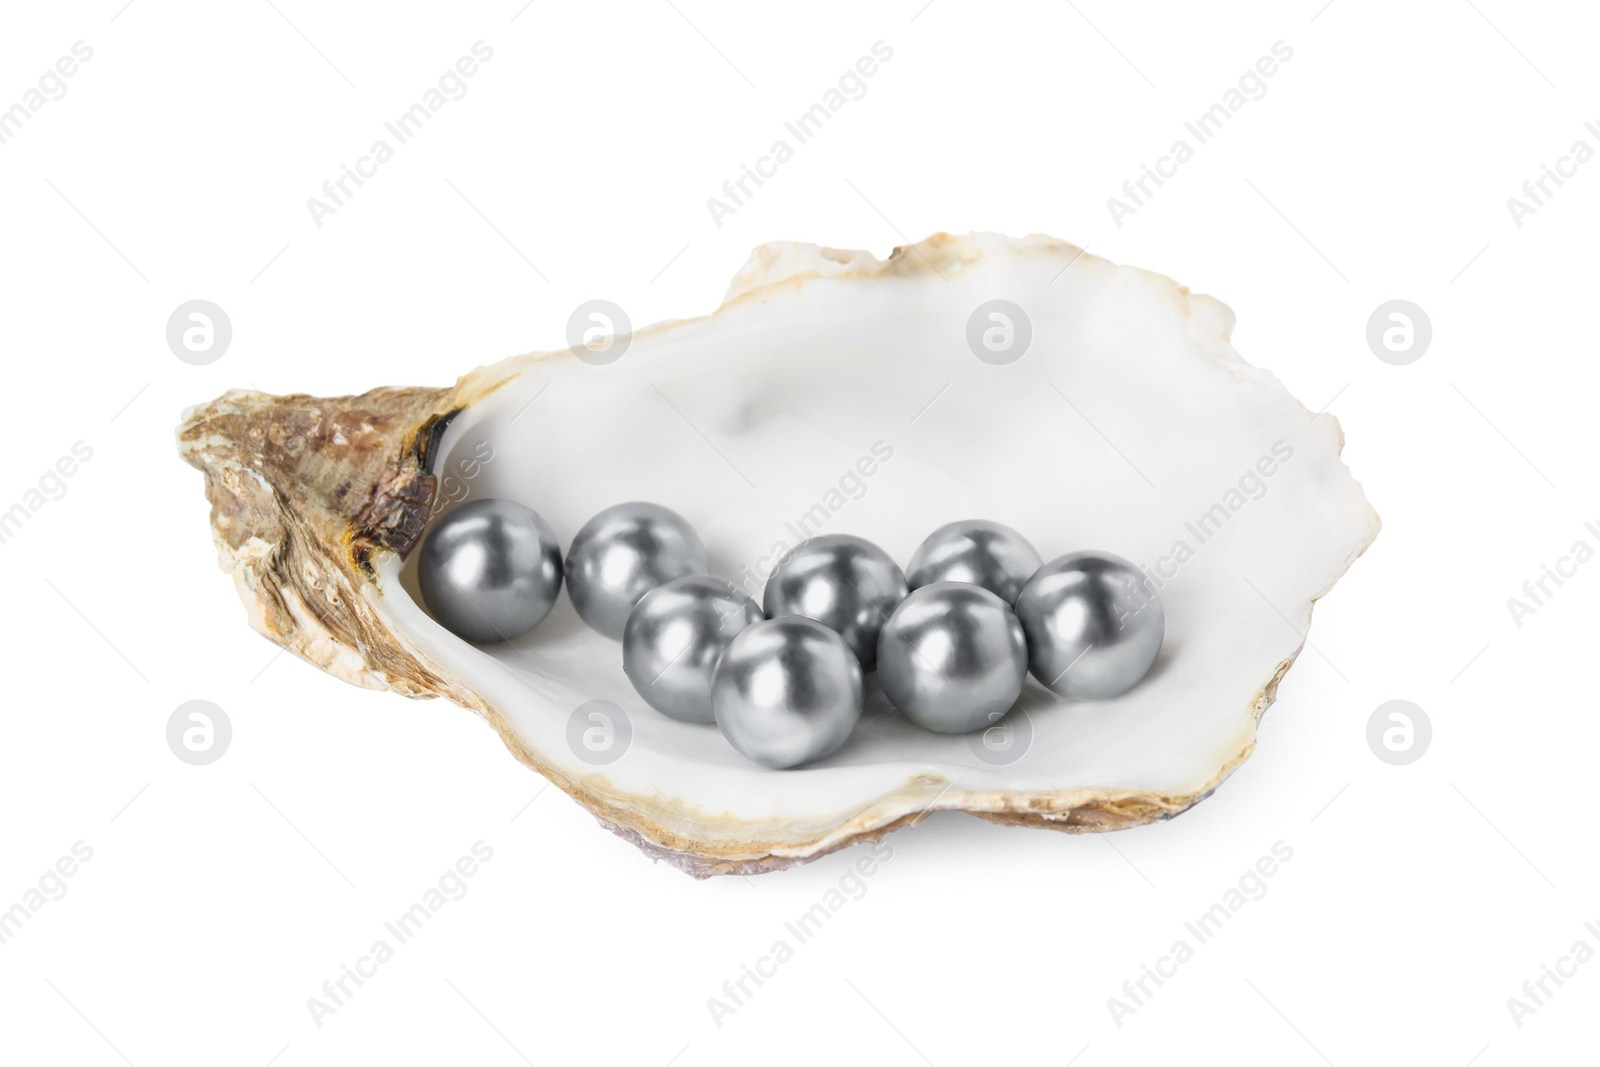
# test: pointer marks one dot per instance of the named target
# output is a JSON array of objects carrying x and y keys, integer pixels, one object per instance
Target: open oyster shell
[{"x": 836, "y": 392}]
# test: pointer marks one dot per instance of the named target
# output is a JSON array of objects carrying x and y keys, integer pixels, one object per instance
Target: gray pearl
[
  {"x": 623, "y": 553},
  {"x": 952, "y": 658},
  {"x": 1094, "y": 625},
  {"x": 490, "y": 570},
  {"x": 978, "y": 552},
  {"x": 787, "y": 691},
  {"x": 848, "y": 584},
  {"x": 673, "y": 638}
]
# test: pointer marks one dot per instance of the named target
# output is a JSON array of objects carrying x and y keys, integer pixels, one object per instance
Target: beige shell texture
[{"x": 831, "y": 392}]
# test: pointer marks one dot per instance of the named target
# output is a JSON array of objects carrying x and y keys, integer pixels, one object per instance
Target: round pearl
[
  {"x": 952, "y": 658},
  {"x": 787, "y": 691},
  {"x": 623, "y": 553},
  {"x": 673, "y": 638},
  {"x": 848, "y": 584},
  {"x": 1094, "y": 625},
  {"x": 490, "y": 570},
  {"x": 978, "y": 552}
]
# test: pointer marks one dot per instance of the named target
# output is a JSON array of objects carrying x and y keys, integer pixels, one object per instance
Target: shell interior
[{"x": 835, "y": 392}]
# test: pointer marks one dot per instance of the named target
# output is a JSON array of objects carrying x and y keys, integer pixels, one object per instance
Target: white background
[{"x": 219, "y": 898}]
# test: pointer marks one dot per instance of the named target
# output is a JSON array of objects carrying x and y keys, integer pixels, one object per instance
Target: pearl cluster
[{"x": 952, "y": 638}]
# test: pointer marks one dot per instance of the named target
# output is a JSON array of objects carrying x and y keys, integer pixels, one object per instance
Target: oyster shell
[{"x": 831, "y": 391}]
